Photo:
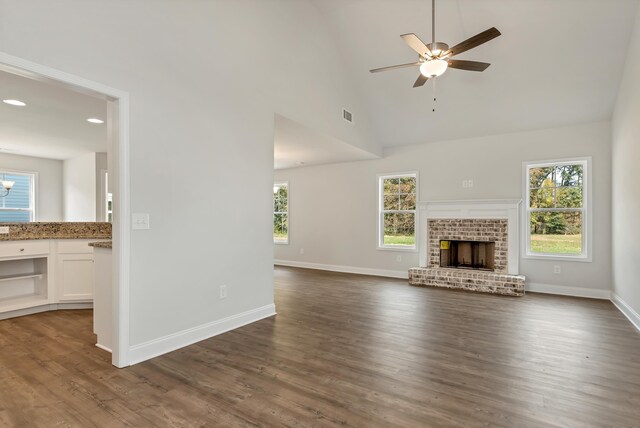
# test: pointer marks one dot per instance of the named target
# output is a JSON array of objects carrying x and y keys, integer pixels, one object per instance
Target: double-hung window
[
  {"x": 557, "y": 211},
  {"x": 397, "y": 211},
  {"x": 108, "y": 200},
  {"x": 281, "y": 213},
  {"x": 18, "y": 205}
]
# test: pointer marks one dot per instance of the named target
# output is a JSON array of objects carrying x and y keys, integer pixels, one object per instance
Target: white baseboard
[
  {"x": 563, "y": 290},
  {"x": 45, "y": 308},
  {"x": 153, "y": 348},
  {"x": 104, "y": 348},
  {"x": 403, "y": 274},
  {"x": 626, "y": 310},
  {"x": 72, "y": 305}
]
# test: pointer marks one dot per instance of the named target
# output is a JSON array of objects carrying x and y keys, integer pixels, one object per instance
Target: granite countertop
[
  {"x": 56, "y": 230},
  {"x": 101, "y": 244}
]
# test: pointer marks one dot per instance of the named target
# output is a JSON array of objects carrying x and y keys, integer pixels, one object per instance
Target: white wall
[
  {"x": 494, "y": 163},
  {"x": 48, "y": 183},
  {"x": 79, "y": 188},
  {"x": 626, "y": 181},
  {"x": 205, "y": 79}
]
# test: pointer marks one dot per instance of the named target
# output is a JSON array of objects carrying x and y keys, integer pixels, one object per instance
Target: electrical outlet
[
  {"x": 557, "y": 269},
  {"x": 467, "y": 184},
  {"x": 223, "y": 291},
  {"x": 4, "y": 230},
  {"x": 301, "y": 250}
]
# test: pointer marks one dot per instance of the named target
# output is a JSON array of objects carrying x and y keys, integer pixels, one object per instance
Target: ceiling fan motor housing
[{"x": 438, "y": 48}]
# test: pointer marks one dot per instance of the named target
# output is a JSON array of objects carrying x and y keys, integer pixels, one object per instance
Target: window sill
[
  {"x": 281, "y": 242},
  {"x": 557, "y": 257},
  {"x": 403, "y": 249}
]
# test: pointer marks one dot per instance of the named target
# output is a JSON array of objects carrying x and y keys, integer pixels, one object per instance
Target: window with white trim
[
  {"x": 108, "y": 200},
  {"x": 397, "y": 195},
  {"x": 281, "y": 213},
  {"x": 18, "y": 205},
  {"x": 556, "y": 208}
]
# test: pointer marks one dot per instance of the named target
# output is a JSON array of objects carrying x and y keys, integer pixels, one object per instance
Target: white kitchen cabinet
[
  {"x": 74, "y": 271},
  {"x": 75, "y": 277},
  {"x": 45, "y": 274}
]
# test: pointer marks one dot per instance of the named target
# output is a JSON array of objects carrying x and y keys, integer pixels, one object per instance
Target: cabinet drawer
[{"x": 24, "y": 248}]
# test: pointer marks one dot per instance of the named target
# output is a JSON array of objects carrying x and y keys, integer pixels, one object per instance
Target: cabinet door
[{"x": 75, "y": 277}]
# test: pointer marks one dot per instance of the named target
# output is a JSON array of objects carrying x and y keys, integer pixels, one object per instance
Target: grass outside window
[
  {"x": 556, "y": 244},
  {"x": 405, "y": 240}
]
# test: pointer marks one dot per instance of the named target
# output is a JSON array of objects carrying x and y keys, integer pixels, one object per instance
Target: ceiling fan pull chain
[{"x": 434, "y": 93}]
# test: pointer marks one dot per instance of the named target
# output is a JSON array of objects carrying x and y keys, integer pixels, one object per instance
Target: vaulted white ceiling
[
  {"x": 558, "y": 62},
  {"x": 53, "y": 124}
]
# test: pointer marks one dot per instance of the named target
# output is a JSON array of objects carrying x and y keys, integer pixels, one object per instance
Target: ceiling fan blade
[
  {"x": 422, "y": 79},
  {"x": 468, "y": 65},
  {"x": 416, "y": 44},
  {"x": 393, "y": 67},
  {"x": 474, "y": 41}
]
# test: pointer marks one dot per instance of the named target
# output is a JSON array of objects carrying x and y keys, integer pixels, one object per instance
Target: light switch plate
[
  {"x": 140, "y": 221},
  {"x": 4, "y": 230}
]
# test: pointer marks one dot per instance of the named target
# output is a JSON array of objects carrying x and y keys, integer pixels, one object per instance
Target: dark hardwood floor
[{"x": 344, "y": 350}]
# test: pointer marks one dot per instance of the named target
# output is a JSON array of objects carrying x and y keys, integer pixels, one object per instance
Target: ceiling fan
[{"x": 434, "y": 58}]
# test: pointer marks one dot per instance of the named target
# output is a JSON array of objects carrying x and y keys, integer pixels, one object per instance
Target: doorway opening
[{"x": 114, "y": 202}]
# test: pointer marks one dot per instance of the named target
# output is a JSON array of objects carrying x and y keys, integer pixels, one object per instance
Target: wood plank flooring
[{"x": 344, "y": 350}]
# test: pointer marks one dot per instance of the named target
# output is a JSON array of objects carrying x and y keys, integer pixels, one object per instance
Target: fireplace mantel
[{"x": 474, "y": 209}]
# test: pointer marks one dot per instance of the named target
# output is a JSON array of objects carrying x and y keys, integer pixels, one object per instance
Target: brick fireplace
[
  {"x": 470, "y": 245},
  {"x": 472, "y": 230}
]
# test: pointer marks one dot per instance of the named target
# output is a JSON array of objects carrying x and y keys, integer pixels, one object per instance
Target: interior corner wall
[
  {"x": 79, "y": 188},
  {"x": 48, "y": 183},
  {"x": 333, "y": 208},
  {"x": 626, "y": 182}
]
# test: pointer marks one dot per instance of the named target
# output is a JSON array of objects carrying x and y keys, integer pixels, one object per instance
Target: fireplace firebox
[{"x": 478, "y": 255}]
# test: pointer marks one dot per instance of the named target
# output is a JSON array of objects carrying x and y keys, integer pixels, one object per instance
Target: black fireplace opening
[{"x": 467, "y": 254}]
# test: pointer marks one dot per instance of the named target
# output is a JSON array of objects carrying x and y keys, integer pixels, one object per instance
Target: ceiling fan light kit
[
  {"x": 433, "y": 67},
  {"x": 436, "y": 57}
]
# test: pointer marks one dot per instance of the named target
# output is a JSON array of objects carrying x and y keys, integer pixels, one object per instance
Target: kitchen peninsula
[
  {"x": 103, "y": 294},
  {"x": 47, "y": 266}
]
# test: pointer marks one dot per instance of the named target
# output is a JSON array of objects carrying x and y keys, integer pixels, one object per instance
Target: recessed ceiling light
[
  {"x": 17, "y": 103},
  {"x": 95, "y": 120}
]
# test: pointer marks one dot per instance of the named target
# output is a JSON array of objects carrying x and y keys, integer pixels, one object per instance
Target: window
[
  {"x": 108, "y": 203},
  {"x": 556, "y": 210},
  {"x": 17, "y": 206},
  {"x": 281, "y": 213},
  {"x": 397, "y": 211},
  {"x": 109, "y": 213}
]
